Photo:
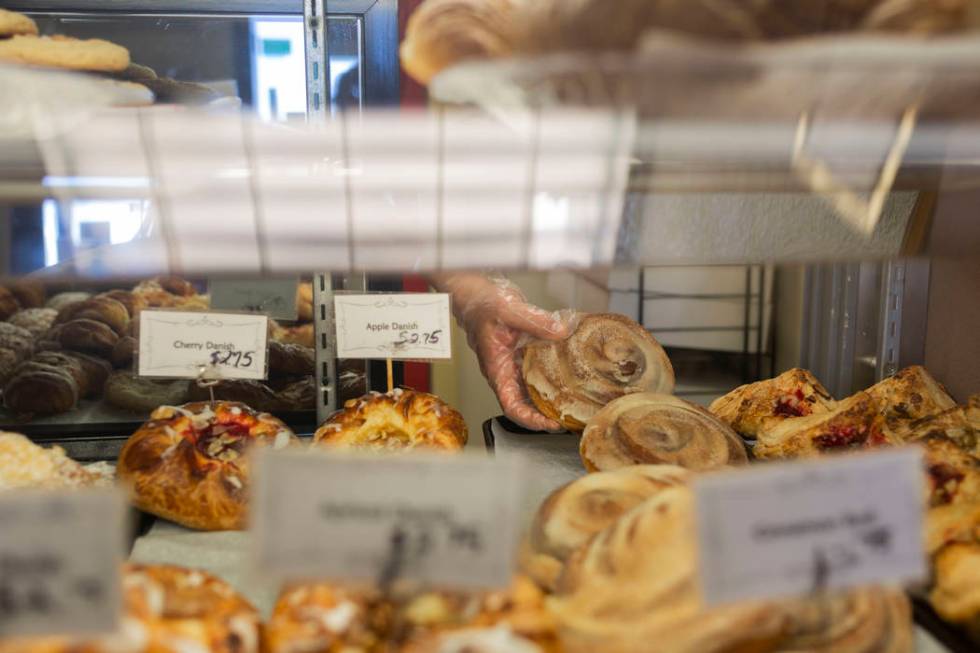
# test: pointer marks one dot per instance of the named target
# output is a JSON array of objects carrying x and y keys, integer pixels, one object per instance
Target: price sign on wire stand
[
  {"x": 178, "y": 344},
  {"x": 59, "y": 562},
  {"x": 393, "y": 326},
  {"x": 802, "y": 528},
  {"x": 448, "y": 521}
]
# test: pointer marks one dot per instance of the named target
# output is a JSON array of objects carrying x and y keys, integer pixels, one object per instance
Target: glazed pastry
[
  {"x": 61, "y": 300},
  {"x": 8, "y": 303},
  {"x": 106, "y": 310},
  {"x": 29, "y": 294},
  {"x": 794, "y": 393},
  {"x": 290, "y": 359},
  {"x": 134, "y": 303},
  {"x": 909, "y": 395},
  {"x": 441, "y": 33},
  {"x": 854, "y": 424},
  {"x": 166, "y": 609},
  {"x": 18, "y": 340},
  {"x": 573, "y": 513},
  {"x": 142, "y": 396},
  {"x": 36, "y": 320},
  {"x": 189, "y": 464},
  {"x": 398, "y": 420},
  {"x": 863, "y": 620},
  {"x": 25, "y": 465},
  {"x": 88, "y": 336},
  {"x": 636, "y": 582},
  {"x": 124, "y": 352},
  {"x": 648, "y": 428},
  {"x": 45, "y": 390},
  {"x": 607, "y": 356},
  {"x": 955, "y": 594}
]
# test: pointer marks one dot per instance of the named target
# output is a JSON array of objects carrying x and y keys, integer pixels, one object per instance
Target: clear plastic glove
[{"x": 498, "y": 322}]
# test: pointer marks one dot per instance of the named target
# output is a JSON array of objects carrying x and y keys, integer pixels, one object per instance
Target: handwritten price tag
[
  {"x": 800, "y": 528},
  {"x": 401, "y": 326},
  {"x": 274, "y": 297},
  {"x": 177, "y": 344},
  {"x": 446, "y": 521},
  {"x": 59, "y": 562}
]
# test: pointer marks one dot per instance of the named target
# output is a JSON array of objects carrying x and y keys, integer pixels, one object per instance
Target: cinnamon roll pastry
[
  {"x": 854, "y": 424},
  {"x": 863, "y": 620},
  {"x": 794, "y": 393},
  {"x": 650, "y": 428},
  {"x": 910, "y": 394},
  {"x": 607, "y": 356},
  {"x": 441, "y": 33},
  {"x": 576, "y": 511},
  {"x": 637, "y": 582}
]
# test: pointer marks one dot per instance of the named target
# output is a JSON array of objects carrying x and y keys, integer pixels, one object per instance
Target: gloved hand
[{"x": 498, "y": 320}]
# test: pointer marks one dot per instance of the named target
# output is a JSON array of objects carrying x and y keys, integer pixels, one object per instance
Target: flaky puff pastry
[
  {"x": 576, "y": 511},
  {"x": 189, "y": 463},
  {"x": 794, "y": 393},
  {"x": 441, "y": 33},
  {"x": 651, "y": 428},
  {"x": 166, "y": 609},
  {"x": 909, "y": 395},
  {"x": 606, "y": 357},
  {"x": 635, "y": 584},
  {"x": 396, "y": 421}
]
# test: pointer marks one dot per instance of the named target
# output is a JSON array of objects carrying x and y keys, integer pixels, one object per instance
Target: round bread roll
[
  {"x": 134, "y": 303},
  {"x": 607, "y": 356},
  {"x": 36, "y": 320},
  {"x": 166, "y": 609},
  {"x": 63, "y": 299},
  {"x": 659, "y": 429},
  {"x": 40, "y": 390},
  {"x": 18, "y": 340},
  {"x": 29, "y": 293},
  {"x": 636, "y": 583},
  {"x": 142, "y": 396},
  {"x": 286, "y": 359},
  {"x": 863, "y": 620},
  {"x": 87, "y": 336},
  {"x": 398, "y": 420},
  {"x": 189, "y": 464},
  {"x": 106, "y": 310},
  {"x": 8, "y": 303},
  {"x": 441, "y": 33},
  {"x": 573, "y": 513}
]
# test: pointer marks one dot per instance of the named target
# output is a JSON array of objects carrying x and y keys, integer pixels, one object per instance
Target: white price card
[
  {"x": 401, "y": 325},
  {"x": 801, "y": 528},
  {"x": 274, "y": 297},
  {"x": 178, "y": 344},
  {"x": 59, "y": 562},
  {"x": 448, "y": 521}
]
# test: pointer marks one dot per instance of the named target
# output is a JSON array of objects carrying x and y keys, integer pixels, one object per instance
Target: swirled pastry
[
  {"x": 794, "y": 393},
  {"x": 576, "y": 511},
  {"x": 166, "y": 609},
  {"x": 189, "y": 463},
  {"x": 607, "y": 356},
  {"x": 441, "y": 33},
  {"x": 650, "y": 428},
  {"x": 636, "y": 583},
  {"x": 863, "y": 620},
  {"x": 854, "y": 424},
  {"x": 398, "y": 420}
]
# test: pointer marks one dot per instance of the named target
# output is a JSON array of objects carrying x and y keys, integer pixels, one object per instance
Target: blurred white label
[
  {"x": 59, "y": 562},
  {"x": 178, "y": 344},
  {"x": 400, "y": 325},
  {"x": 450, "y": 521},
  {"x": 801, "y": 528},
  {"x": 274, "y": 297}
]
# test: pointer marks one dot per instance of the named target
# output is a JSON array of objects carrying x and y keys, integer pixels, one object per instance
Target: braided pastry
[
  {"x": 188, "y": 463},
  {"x": 794, "y": 393},
  {"x": 575, "y": 512},
  {"x": 398, "y": 420},
  {"x": 607, "y": 356},
  {"x": 636, "y": 583},
  {"x": 654, "y": 428}
]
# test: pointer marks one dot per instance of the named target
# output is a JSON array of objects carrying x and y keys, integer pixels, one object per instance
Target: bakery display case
[{"x": 762, "y": 217}]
